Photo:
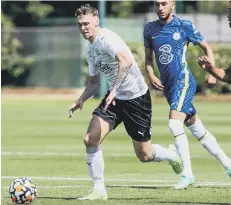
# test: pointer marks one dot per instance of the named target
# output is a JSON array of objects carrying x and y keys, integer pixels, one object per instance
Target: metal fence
[{"x": 57, "y": 54}]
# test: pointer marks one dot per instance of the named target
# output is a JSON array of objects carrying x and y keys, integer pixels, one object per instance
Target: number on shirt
[{"x": 166, "y": 56}]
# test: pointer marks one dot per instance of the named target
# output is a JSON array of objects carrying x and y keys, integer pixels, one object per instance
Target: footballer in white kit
[
  {"x": 132, "y": 100},
  {"x": 128, "y": 100}
]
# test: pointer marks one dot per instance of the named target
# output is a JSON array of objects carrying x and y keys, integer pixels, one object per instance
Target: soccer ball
[{"x": 23, "y": 191}]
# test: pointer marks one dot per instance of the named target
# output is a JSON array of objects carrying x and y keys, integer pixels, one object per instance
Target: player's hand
[
  {"x": 110, "y": 99},
  {"x": 210, "y": 82},
  {"x": 77, "y": 105},
  {"x": 155, "y": 83},
  {"x": 205, "y": 63}
]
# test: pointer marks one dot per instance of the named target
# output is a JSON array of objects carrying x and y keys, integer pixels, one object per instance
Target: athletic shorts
[
  {"x": 180, "y": 97},
  {"x": 136, "y": 114}
]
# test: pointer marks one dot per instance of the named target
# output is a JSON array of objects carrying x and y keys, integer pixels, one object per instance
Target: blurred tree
[
  {"x": 213, "y": 7},
  {"x": 121, "y": 9},
  {"x": 26, "y": 13},
  {"x": 12, "y": 60},
  {"x": 14, "y": 63}
]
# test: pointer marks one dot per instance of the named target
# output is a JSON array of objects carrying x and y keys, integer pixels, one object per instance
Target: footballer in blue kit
[
  {"x": 168, "y": 37},
  {"x": 170, "y": 43}
]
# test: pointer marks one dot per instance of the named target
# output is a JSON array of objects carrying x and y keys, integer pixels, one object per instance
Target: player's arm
[
  {"x": 209, "y": 53},
  {"x": 149, "y": 66},
  {"x": 196, "y": 38},
  {"x": 221, "y": 74},
  {"x": 207, "y": 50},
  {"x": 116, "y": 48},
  {"x": 149, "y": 63},
  {"x": 90, "y": 90},
  {"x": 125, "y": 63}
]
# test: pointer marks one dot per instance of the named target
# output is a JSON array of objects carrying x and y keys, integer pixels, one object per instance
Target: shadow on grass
[
  {"x": 137, "y": 199},
  {"x": 170, "y": 187}
]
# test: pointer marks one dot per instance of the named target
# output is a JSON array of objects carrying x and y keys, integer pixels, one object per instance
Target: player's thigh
[
  {"x": 175, "y": 114},
  {"x": 143, "y": 150},
  {"x": 181, "y": 102},
  {"x": 137, "y": 116},
  {"x": 103, "y": 121},
  {"x": 97, "y": 130}
]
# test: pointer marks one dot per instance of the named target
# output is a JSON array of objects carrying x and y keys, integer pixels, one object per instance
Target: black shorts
[{"x": 136, "y": 114}]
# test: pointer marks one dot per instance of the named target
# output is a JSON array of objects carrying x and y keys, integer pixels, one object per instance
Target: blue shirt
[{"x": 169, "y": 43}]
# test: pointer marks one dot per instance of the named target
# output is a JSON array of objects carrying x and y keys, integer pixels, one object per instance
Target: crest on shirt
[
  {"x": 97, "y": 52},
  {"x": 176, "y": 36}
]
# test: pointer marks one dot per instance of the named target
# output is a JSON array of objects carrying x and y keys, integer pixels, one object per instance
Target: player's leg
[
  {"x": 101, "y": 124},
  {"x": 176, "y": 127},
  {"x": 179, "y": 98},
  {"x": 96, "y": 132},
  {"x": 148, "y": 152},
  {"x": 137, "y": 114},
  {"x": 208, "y": 141}
]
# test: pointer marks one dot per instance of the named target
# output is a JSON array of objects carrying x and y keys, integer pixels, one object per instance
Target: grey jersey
[{"x": 101, "y": 58}]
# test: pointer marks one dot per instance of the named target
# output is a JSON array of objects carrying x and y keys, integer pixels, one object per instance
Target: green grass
[{"x": 38, "y": 140}]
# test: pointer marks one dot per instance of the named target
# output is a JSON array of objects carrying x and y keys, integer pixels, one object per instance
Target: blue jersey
[{"x": 169, "y": 43}]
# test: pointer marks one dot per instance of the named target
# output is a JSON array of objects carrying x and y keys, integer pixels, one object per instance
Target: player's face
[
  {"x": 229, "y": 14},
  {"x": 88, "y": 25},
  {"x": 163, "y": 8}
]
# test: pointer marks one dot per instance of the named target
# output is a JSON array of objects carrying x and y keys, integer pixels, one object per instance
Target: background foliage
[{"x": 14, "y": 61}]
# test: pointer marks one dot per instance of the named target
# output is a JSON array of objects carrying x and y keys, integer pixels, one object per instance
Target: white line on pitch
[
  {"x": 73, "y": 154},
  {"x": 199, "y": 183}
]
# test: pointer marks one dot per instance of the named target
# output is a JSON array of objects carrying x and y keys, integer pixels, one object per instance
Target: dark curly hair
[{"x": 86, "y": 9}]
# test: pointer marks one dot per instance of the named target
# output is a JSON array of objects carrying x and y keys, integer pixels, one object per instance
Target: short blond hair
[{"x": 86, "y": 9}]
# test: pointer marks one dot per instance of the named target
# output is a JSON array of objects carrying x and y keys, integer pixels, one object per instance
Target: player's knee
[
  {"x": 197, "y": 129},
  {"x": 176, "y": 127},
  {"x": 90, "y": 140}
]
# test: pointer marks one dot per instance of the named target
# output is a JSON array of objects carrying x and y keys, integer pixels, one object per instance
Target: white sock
[
  {"x": 95, "y": 164},
  {"x": 162, "y": 154},
  {"x": 209, "y": 142},
  {"x": 182, "y": 148},
  {"x": 181, "y": 141}
]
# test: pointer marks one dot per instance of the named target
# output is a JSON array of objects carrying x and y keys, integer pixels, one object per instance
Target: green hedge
[{"x": 222, "y": 55}]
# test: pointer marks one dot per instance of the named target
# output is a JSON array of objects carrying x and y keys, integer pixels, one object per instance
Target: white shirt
[{"x": 101, "y": 58}]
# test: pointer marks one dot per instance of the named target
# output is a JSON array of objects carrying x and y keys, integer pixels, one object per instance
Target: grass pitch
[{"x": 39, "y": 141}]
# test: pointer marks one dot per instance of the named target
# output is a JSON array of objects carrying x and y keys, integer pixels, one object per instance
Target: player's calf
[{"x": 209, "y": 142}]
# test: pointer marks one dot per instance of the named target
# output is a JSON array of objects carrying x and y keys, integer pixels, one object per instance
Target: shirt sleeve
[
  {"x": 147, "y": 40},
  {"x": 113, "y": 44},
  {"x": 193, "y": 34}
]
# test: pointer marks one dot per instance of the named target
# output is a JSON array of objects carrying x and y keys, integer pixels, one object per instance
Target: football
[{"x": 23, "y": 191}]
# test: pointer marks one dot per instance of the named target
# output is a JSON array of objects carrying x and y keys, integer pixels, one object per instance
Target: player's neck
[
  {"x": 168, "y": 20},
  {"x": 92, "y": 38}
]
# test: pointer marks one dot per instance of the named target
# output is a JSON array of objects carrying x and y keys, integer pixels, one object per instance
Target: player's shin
[
  {"x": 209, "y": 142},
  {"x": 95, "y": 163},
  {"x": 181, "y": 141}
]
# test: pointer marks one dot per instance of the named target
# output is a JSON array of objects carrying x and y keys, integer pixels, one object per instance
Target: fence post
[{"x": 104, "y": 85}]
